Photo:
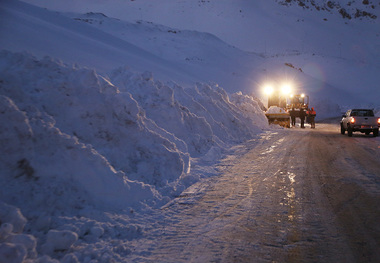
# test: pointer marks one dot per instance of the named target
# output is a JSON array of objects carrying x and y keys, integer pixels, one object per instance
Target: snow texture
[
  {"x": 72, "y": 140},
  {"x": 275, "y": 109},
  {"x": 104, "y": 120}
]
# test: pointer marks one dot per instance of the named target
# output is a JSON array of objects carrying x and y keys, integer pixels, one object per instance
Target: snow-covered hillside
[
  {"x": 113, "y": 108},
  {"x": 249, "y": 25},
  {"x": 341, "y": 54}
]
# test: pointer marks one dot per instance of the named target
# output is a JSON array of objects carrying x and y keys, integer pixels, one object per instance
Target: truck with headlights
[
  {"x": 281, "y": 102},
  {"x": 360, "y": 120}
]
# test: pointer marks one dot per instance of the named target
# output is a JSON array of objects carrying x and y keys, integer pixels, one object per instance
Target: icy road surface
[{"x": 293, "y": 196}]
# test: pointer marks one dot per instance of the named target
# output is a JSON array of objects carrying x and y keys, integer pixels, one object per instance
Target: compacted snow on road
[{"x": 291, "y": 196}]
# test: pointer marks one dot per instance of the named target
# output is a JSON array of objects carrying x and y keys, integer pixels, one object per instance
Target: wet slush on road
[{"x": 298, "y": 195}]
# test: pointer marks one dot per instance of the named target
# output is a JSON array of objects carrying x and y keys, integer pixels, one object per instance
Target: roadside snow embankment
[
  {"x": 203, "y": 117},
  {"x": 75, "y": 143}
]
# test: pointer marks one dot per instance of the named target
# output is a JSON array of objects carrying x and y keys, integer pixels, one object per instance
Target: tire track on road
[
  {"x": 342, "y": 167},
  {"x": 289, "y": 199}
]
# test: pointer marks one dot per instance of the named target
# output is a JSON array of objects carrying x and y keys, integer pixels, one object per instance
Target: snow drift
[
  {"x": 74, "y": 140},
  {"x": 142, "y": 127}
]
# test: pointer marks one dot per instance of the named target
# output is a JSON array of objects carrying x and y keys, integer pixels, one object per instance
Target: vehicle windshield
[{"x": 362, "y": 113}]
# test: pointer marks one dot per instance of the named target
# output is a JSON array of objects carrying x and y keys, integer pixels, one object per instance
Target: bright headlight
[
  {"x": 286, "y": 89},
  {"x": 268, "y": 90}
]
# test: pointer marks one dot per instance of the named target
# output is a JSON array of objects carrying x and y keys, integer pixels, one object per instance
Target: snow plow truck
[{"x": 279, "y": 104}]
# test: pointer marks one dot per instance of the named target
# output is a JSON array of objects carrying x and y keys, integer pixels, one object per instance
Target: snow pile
[
  {"x": 74, "y": 145},
  {"x": 68, "y": 235},
  {"x": 38, "y": 155},
  {"x": 159, "y": 104},
  {"x": 14, "y": 246},
  {"x": 275, "y": 110},
  {"x": 202, "y": 116}
]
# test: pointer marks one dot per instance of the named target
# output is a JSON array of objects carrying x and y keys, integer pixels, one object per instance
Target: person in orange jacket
[{"x": 311, "y": 114}]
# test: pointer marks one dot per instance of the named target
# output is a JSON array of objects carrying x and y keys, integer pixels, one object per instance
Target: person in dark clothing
[
  {"x": 302, "y": 117},
  {"x": 308, "y": 116},
  {"x": 292, "y": 113}
]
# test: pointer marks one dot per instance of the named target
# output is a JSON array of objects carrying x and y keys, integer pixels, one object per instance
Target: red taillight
[{"x": 352, "y": 120}]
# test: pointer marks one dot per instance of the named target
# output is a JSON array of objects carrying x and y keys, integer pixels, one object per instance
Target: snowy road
[{"x": 294, "y": 196}]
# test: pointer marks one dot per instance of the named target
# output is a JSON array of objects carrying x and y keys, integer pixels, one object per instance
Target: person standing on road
[
  {"x": 308, "y": 116},
  {"x": 292, "y": 113},
  {"x": 312, "y": 113},
  {"x": 302, "y": 117}
]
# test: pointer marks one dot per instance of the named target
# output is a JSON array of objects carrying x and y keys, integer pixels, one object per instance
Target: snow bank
[
  {"x": 202, "y": 117},
  {"x": 38, "y": 155},
  {"x": 14, "y": 246},
  {"x": 75, "y": 144},
  {"x": 91, "y": 110},
  {"x": 142, "y": 128},
  {"x": 159, "y": 104}
]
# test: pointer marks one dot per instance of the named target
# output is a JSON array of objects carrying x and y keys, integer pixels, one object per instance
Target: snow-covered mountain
[
  {"x": 113, "y": 107},
  {"x": 311, "y": 35}
]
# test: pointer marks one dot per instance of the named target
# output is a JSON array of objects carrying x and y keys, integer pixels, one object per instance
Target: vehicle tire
[
  {"x": 349, "y": 131},
  {"x": 367, "y": 133},
  {"x": 375, "y": 132},
  {"x": 342, "y": 129}
]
